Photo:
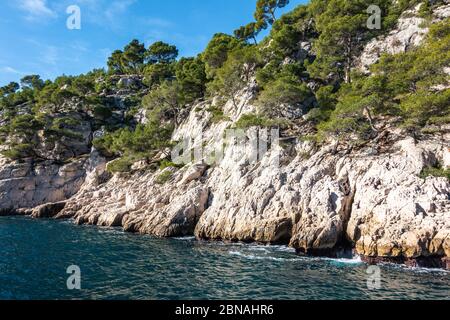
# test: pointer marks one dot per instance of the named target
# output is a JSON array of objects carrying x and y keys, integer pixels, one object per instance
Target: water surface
[{"x": 35, "y": 255}]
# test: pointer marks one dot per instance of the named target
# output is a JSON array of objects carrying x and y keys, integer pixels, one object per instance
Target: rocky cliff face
[
  {"x": 61, "y": 166},
  {"x": 410, "y": 32},
  {"x": 30, "y": 184},
  {"x": 318, "y": 199}
]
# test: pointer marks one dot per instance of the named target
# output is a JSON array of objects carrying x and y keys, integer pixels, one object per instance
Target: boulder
[{"x": 48, "y": 210}]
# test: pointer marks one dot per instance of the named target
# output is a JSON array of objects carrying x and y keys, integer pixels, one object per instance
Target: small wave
[
  {"x": 283, "y": 249},
  {"x": 429, "y": 270},
  {"x": 258, "y": 249},
  {"x": 66, "y": 222},
  {"x": 354, "y": 260},
  {"x": 423, "y": 270},
  {"x": 253, "y": 257},
  {"x": 185, "y": 238}
]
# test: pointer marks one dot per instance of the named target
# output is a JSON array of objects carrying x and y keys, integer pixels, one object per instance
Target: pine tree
[
  {"x": 161, "y": 52},
  {"x": 266, "y": 9}
]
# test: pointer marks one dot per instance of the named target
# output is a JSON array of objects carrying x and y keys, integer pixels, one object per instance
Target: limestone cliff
[{"x": 318, "y": 198}]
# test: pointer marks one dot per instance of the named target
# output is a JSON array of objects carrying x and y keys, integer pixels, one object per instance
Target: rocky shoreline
[
  {"x": 318, "y": 199},
  {"x": 50, "y": 211},
  {"x": 370, "y": 202}
]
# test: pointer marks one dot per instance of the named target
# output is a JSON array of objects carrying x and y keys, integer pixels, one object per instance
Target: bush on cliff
[
  {"x": 401, "y": 85},
  {"x": 257, "y": 120},
  {"x": 306, "y": 61}
]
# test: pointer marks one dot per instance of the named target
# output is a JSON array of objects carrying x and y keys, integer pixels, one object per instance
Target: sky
[{"x": 35, "y": 39}]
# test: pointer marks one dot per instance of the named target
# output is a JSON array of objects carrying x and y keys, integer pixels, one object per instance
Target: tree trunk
[
  {"x": 272, "y": 12},
  {"x": 368, "y": 115},
  {"x": 348, "y": 58},
  {"x": 347, "y": 75}
]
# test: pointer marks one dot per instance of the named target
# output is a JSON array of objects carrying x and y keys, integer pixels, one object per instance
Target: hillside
[{"x": 362, "y": 160}]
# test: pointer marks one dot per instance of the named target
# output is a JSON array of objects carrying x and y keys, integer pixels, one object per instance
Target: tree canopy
[{"x": 161, "y": 52}]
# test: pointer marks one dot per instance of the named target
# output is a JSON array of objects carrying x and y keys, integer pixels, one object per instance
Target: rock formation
[{"x": 317, "y": 199}]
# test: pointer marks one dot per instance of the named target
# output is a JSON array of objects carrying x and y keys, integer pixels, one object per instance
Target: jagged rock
[
  {"x": 140, "y": 204},
  {"x": 30, "y": 184},
  {"x": 48, "y": 210},
  {"x": 68, "y": 146},
  {"x": 129, "y": 81},
  {"x": 317, "y": 199},
  {"x": 194, "y": 173},
  {"x": 396, "y": 213},
  {"x": 409, "y": 33}
]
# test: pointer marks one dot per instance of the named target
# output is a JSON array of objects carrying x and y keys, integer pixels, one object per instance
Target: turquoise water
[{"x": 35, "y": 254}]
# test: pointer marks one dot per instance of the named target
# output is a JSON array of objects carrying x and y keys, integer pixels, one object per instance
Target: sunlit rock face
[
  {"x": 409, "y": 33},
  {"x": 319, "y": 200},
  {"x": 29, "y": 184}
]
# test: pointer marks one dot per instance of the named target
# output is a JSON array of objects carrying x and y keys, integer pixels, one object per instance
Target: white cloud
[
  {"x": 108, "y": 14},
  {"x": 12, "y": 70},
  {"x": 36, "y": 9},
  {"x": 117, "y": 7}
]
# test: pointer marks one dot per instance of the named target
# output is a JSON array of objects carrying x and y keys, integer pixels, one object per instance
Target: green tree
[
  {"x": 157, "y": 73},
  {"x": 83, "y": 85},
  {"x": 10, "y": 88},
  {"x": 249, "y": 31},
  {"x": 284, "y": 91},
  {"x": 191, "y": 77},
  {"x": 161, "y": 52},
  {"x": 165, "y": 103},
  {"x": 343, "y": 31},
  {"x": 216, "y": 53},
  {"x": 133, "y": 56},
  {"x": 235, "y": 74},
  {"x": 115, "y": 62},
  {"x": 32, "y": 82},
  {"x": 412, "y": 85},
  {"x": 266, "y": 9}
]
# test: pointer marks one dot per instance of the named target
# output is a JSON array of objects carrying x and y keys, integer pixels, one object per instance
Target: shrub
[
  {"x": 216, "y": 52},
  {"x": 235, "y": 73},
  {"x": 18, "y": 151},
  {"x": 255, "y": 120},
  {"x": 436, "y": 171},
  {"x": 283, "y": 91},
  {"x": 120, "y": 165},
  {"x": 168, "y": 164},
  {"x": 102, "y": 112},
  {"x": 191, "y": 76},
  {"x": 155, "y": 74},
  {"x": 164, "y": 177},
  {"x": 217, "y": 114}
]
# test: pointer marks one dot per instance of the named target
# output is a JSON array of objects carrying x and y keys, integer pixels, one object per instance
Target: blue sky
[{"x": 35, "y": 39}]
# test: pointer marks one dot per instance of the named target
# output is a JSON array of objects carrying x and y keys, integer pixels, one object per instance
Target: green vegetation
[
  {"x": 282, "y": 91},
  {"x": 217, "y": 114},
  {"x": 264, "y": 16},
  {"x": 306, "y": 63},
  {"x": 235, "y": 73},
  {"x": 216, "y": 53},
  {"x": 436, "y": 171},
  {"x": 255, "y": 120},
  {"x": 164, "y": 177},
  {"x": 400, "y": 85},
  {"x": 168, "y": 164}
]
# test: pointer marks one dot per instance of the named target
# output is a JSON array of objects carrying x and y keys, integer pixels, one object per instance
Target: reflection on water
[{"x": 34, "y": 256}]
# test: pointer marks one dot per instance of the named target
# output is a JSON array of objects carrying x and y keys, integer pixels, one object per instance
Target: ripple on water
[{"x": 35, "y": 254}]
